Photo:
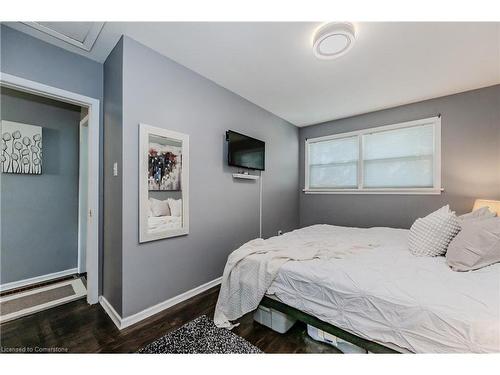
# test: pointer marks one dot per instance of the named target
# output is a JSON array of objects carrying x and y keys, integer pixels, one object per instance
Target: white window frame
[{"x": 436, "y": 189}]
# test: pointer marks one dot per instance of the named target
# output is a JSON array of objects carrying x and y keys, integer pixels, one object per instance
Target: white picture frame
[{"x": 150, "y": 137}]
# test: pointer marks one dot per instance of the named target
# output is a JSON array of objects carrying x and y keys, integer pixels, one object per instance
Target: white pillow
[
  {"x": 476, "y": 246},
  {"x": 175, "y": 206},
  {"x": 479, "y": 214},
  {"x": 159, "y": 207},
  {"x": 431, "y": 235}
]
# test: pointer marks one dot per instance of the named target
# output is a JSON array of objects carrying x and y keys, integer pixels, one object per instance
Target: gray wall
[
  {"x": 33, "y": 59},
  {"x": 470, "y": 162},
  {"x": 112, "y": 253},
  {"x": 223, "y": 212},
  {"x": 39, "y": 213},
  {"x": 162, "y": 195}
]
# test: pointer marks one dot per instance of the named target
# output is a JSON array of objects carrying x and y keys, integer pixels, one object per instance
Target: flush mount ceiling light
[{"x": 333, "y": 40}]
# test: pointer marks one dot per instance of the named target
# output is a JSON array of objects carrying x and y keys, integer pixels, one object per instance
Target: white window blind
[
  {"x": 334, "y": 163},
  {"x": 400, "y": 158}
]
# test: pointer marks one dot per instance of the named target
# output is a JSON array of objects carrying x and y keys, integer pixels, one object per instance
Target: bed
[{"x": 391, "y": 297}]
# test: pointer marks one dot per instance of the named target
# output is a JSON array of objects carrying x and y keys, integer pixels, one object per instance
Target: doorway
[{"x": 88, "y": 167}]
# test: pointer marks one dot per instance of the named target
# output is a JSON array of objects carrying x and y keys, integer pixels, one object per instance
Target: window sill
[{"x": 430, "y": 191}]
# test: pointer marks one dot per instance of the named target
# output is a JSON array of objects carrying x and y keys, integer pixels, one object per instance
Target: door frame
[
  {"x": 84, "y": 123},
  {"x": 93, "y": 219}
]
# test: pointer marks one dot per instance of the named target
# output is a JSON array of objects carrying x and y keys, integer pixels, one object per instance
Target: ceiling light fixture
[{"x": 333, "y": 40}]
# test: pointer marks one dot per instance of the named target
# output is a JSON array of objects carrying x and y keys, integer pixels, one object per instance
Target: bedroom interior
[{"x": 250, "y": 187}]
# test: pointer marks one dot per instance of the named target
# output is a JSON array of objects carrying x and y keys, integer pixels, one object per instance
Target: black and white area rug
[{"x": 200, "y": 336}]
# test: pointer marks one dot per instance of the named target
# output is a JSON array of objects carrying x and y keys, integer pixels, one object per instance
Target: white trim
[
  {"x": 108, "y": 308},
  {"x": 37, "y": 279},
  {"x": 437, "y": 154},
  {"x": 423, "y": 191},
  {"x": 78, "y": 288},
  {"x": 260, "y": 203},
  {"x": 360, "y": 165},
  {"x": 306, "y": 165},
  {"x": 83, "y": 123},
  {"x": 144, "y": 132},
  {"x": 436, "y": 189},
  {"x": 84, "y": 120},
  {"x": 40, "y": 89},
  {"x": 122, "y": 323},
  {"x": 87, "y": 43}
]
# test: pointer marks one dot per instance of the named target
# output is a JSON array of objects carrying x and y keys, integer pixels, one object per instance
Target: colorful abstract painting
[{"x": 164, "y": 167}]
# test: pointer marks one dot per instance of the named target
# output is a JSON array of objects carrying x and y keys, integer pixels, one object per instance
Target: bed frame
[{"x": 370, "y": 346}]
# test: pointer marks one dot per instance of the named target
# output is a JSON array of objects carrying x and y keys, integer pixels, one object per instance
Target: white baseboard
[
  {"x": 37, "y": 279},
  {"x": 115, "y": 317},
  {"x": 122, "y": 323}
]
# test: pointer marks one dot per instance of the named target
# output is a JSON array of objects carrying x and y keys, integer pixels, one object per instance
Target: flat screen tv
[{"x": 244, "y": 151}]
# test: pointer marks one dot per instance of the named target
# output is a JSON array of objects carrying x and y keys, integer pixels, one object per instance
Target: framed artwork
[
  {"x": 21, "y": 148},
  {"x": 164, "y": 165},
  {"x": 163, "y": 183}
]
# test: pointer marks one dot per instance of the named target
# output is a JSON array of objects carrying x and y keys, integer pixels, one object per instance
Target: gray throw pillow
[
  {"x": 476, "y": 246},
  {"x": 479, "y": 214}
]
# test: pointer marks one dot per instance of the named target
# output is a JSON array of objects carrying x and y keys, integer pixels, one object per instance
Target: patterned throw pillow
[{"x": 431, "y": 235}]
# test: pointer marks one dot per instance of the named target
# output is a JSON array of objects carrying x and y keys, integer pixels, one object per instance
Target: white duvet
[
  {"x": 251, "y": 269},
  {"x": 390, "y": 296}
]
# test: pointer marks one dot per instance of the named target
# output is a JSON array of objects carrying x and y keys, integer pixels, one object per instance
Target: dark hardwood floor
[{"x": 80, "y": 328}]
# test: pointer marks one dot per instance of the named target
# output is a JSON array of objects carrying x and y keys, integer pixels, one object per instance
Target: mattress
[{"x": 388, "y": 295}]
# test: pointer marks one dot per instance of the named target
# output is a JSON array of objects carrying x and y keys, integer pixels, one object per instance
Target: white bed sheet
[
  {"x": 390, "y": 296},
  {"x": 162, "y": 223}
]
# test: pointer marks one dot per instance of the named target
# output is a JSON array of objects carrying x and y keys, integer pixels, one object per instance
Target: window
[
  {"x": 399, "y": 158},
  {"x": 334, "y": 163}
]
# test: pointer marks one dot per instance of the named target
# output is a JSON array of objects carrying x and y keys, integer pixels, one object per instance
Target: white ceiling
[{"x": 272, "y": 64}]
